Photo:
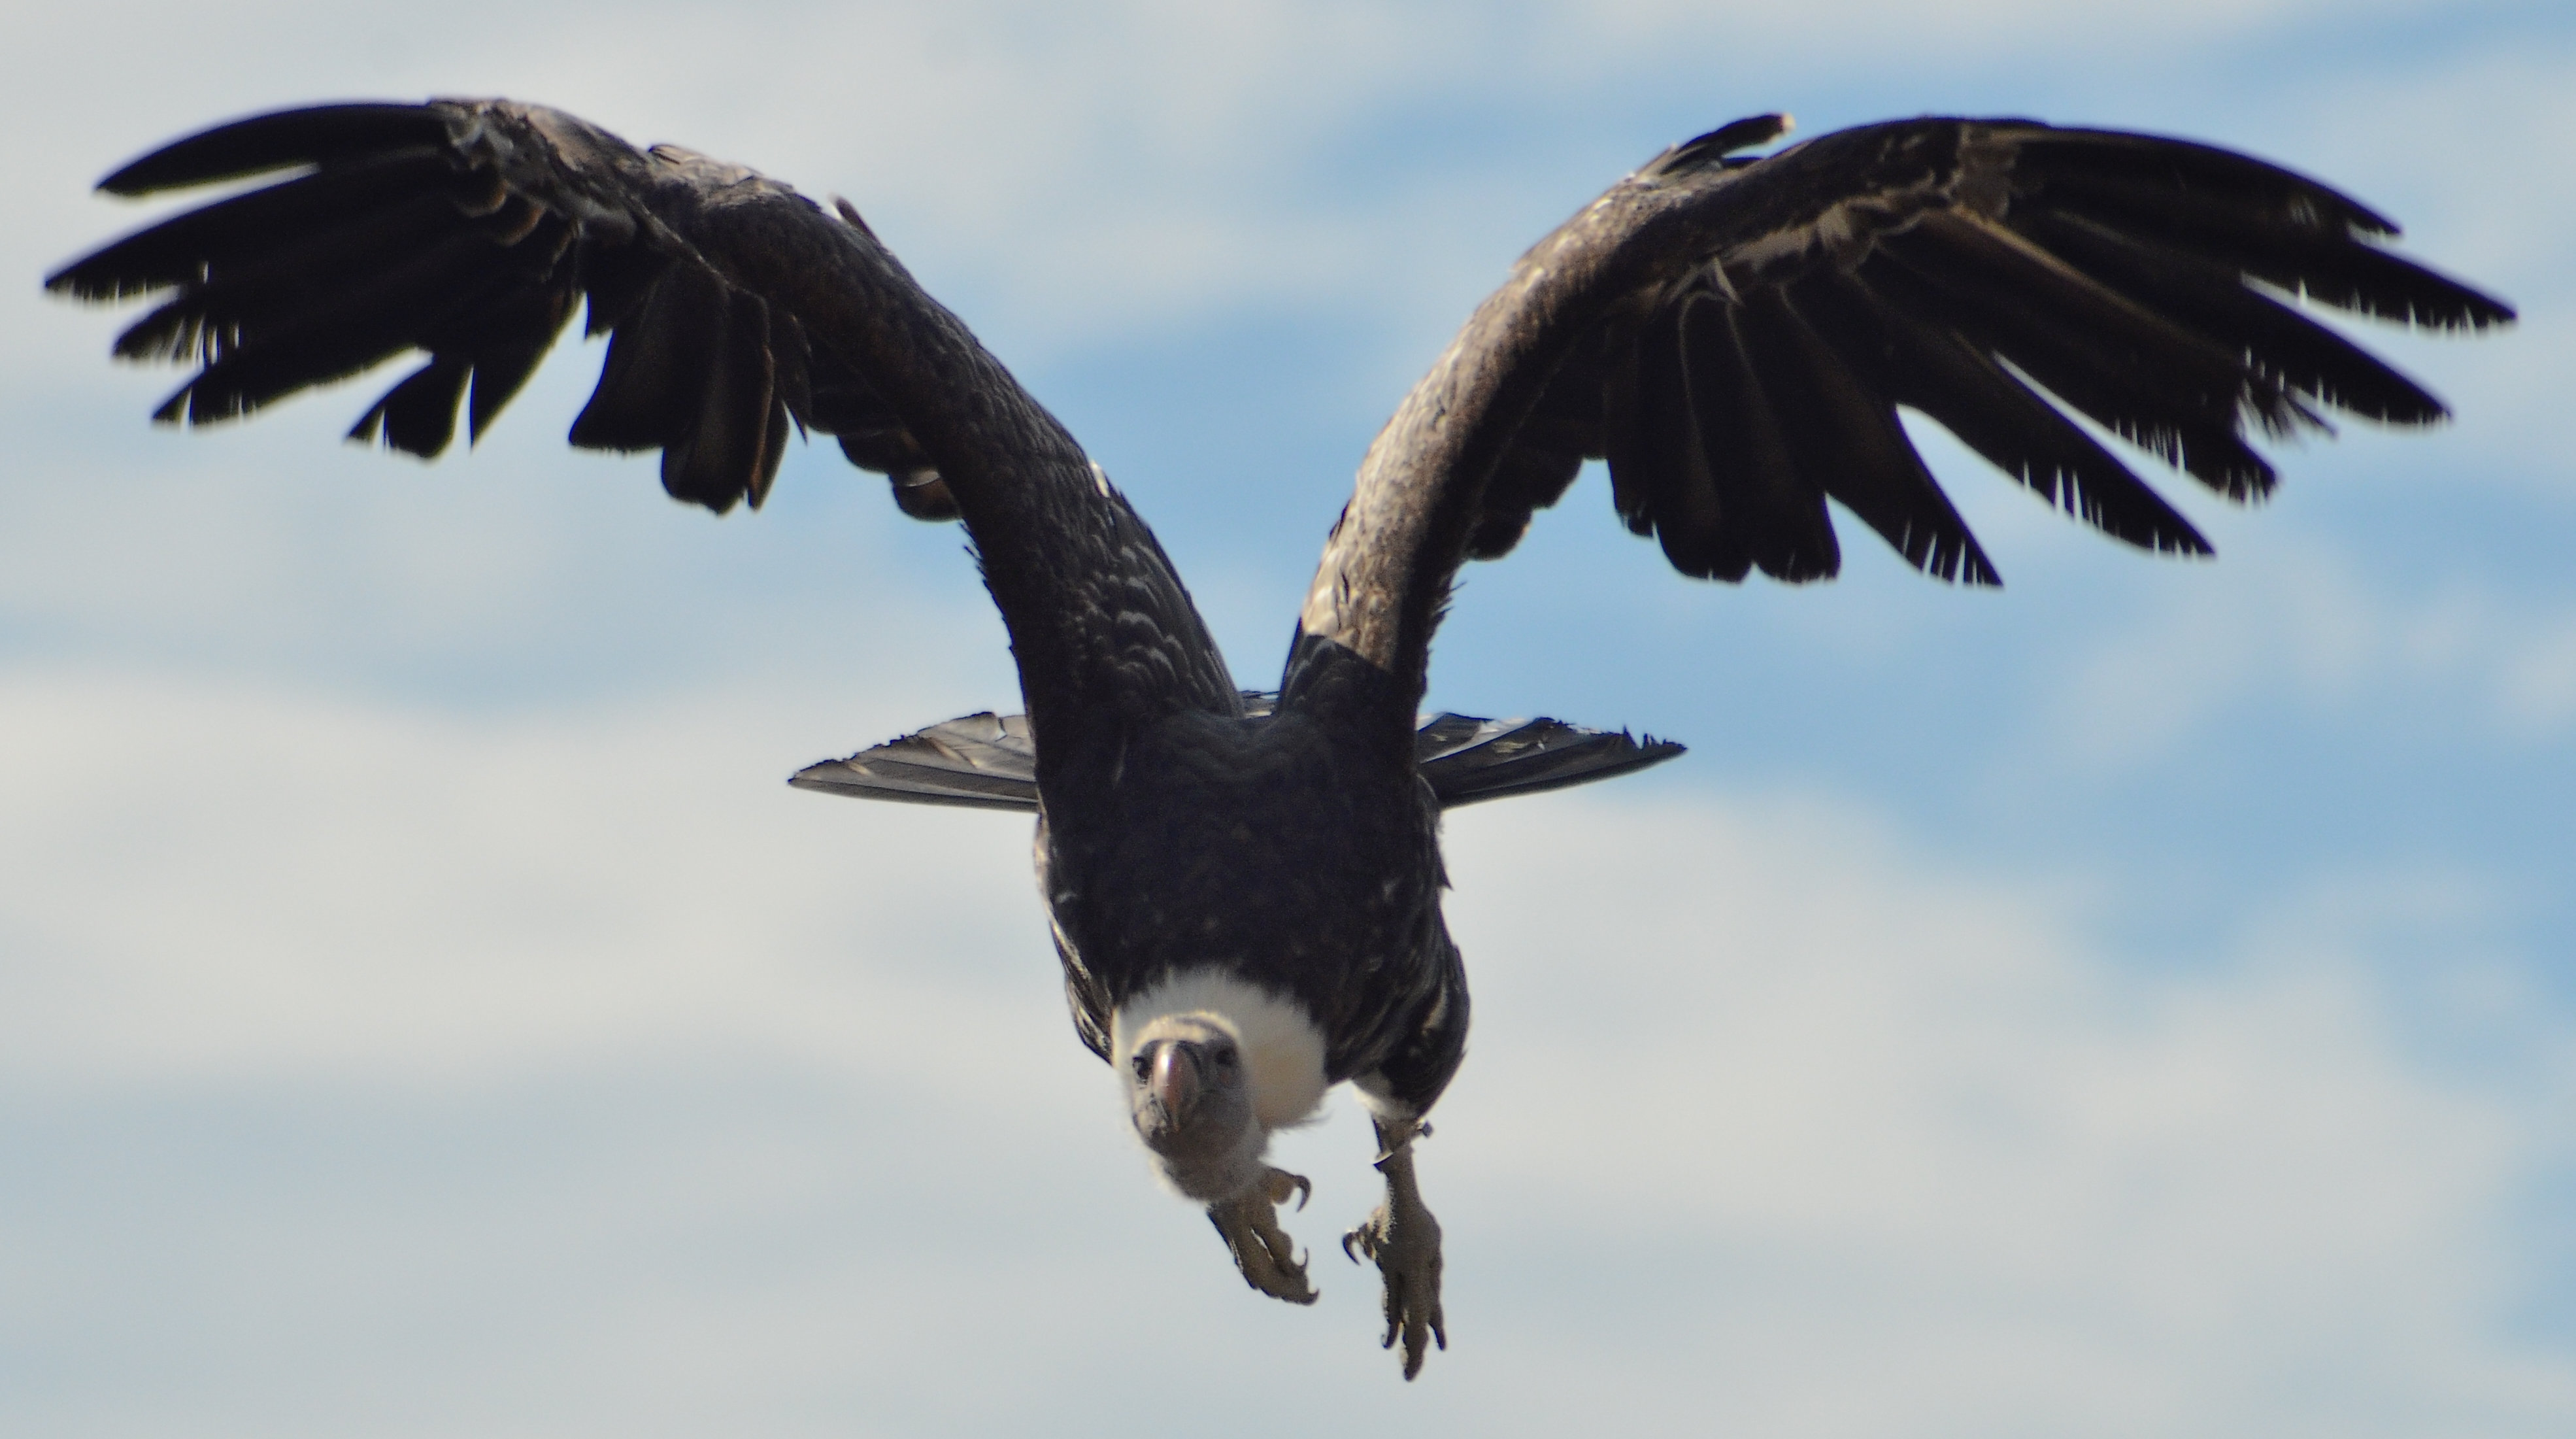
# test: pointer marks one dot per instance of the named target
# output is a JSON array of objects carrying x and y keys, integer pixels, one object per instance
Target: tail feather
[{"x": 989, "y": 761}]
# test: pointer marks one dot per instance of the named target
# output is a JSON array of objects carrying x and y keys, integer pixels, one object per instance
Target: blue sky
[{"x": 2136, "y": 1002}]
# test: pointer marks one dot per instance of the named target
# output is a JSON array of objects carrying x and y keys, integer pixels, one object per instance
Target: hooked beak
[{"x": 1174, "y": 1079}]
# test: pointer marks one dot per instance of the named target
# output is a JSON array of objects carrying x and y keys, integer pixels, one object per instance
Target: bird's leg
[
  {"x": 1249, "y": 1224},
  {"x": 1405, "y": 1241}
]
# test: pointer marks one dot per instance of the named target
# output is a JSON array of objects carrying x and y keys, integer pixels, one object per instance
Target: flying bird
[{"x": 1245, "y": 888}]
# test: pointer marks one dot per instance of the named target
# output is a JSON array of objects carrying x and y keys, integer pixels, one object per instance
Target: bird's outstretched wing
[
  {"x": 1735, "y": 337},
  {"x": 735, "y": 309}
]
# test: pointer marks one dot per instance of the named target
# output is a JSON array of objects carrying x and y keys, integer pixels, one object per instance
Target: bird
[{"x": 1244, "y": 886}]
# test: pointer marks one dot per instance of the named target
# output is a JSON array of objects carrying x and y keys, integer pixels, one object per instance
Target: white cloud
[
  {"x": 2539, "y": 686},
  {"x": 1802, "y": 1042},
  {"x": 219, "y": 881},
  {"x": 2304, "y": 625}
]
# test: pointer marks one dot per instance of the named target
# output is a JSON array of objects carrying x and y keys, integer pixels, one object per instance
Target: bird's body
[
  {"x": 1245, "y": 891},
  {"x": 1256, "y": 850}
]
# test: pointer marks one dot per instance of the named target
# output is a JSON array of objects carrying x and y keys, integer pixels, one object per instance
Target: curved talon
[
  {"x": 1263, "y": 1253},
  {"x": 1368, "y": 1237},
  {"x": 1404, "y": 1239}
]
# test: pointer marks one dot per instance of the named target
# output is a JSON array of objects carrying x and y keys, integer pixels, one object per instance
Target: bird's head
[{"x": 1189, "y": 1090}]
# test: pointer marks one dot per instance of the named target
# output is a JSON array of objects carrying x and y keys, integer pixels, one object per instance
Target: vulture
[{"x": 1245, "y": 888}]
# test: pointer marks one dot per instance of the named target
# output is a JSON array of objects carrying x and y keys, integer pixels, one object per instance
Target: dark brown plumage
[{"x": 1245, "y": 890}]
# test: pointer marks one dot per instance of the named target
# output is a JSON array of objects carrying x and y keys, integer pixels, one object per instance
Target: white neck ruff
[{"x": 1282, "y": 1046}]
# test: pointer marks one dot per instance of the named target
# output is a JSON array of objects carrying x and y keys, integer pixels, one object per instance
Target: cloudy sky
[{"x": 2139, "y": 1002}]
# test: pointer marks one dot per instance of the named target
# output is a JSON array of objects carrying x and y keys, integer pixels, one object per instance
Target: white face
[
  {"x": 1179, "y": 1064},
  {"x": 1190, "y": 1099}
]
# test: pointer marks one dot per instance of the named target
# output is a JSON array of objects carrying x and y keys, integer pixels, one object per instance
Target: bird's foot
[
  {"x": 1249, "y": 1224},
  {"x": 1405, "y": 1241}
]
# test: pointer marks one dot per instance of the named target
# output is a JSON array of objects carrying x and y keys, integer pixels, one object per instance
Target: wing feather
[
  {"x": 1735, "y": 336},
  {"x": 2152, "y": 383},
  {"x": 1672, "y": 465},
  {"x": 737, "y": 312},
  {"x": 2287, "y": 243},
  {"x": 659, "y": 360},
  {"x": 2212, "y": 300},
  {"x": 1768, "y": 513},
  {"x": 264, "y": 226},
  {"x": 418, "y": 415},
  {"x": 1848, "y": 443},
  {"x": 715, "y": 453},
  {"x": 1562, "y": 430},
  {"x": 329, "y": 137},
  {"x": 505, "y": 345},
  {"x": 1925, "y": 366}
]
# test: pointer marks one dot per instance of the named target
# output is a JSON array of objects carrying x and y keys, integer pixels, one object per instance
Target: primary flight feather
[{"x": 1245, "y": 889}]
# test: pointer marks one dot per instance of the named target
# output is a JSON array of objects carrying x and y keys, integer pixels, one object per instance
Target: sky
[{"x": 2135, "y": 1002}]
